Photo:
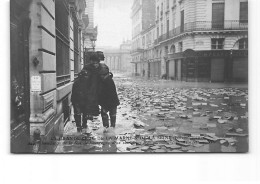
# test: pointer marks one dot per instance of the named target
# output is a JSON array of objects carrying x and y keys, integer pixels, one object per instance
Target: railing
[{"x": 203, "y": 26}]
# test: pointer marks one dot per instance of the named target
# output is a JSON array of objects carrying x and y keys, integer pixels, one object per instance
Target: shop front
[{"x": 209, "y": 66}]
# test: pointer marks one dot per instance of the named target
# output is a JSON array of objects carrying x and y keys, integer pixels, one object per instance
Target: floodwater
[{"x": 157, "y": 116}]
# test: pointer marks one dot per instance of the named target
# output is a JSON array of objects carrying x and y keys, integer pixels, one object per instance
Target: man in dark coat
[
  {"x": 93, "y": 84},
  {"x": 108, "y": 99},
  {"x": 79, "y": 99},
  {"x": 85, "y": 94}
]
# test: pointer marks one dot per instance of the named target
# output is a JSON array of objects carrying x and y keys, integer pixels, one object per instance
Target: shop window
[
  {"x": 243, "y": 43},
  {"x": 217, "y": 43},
  {"x": 62, "y": 42}
]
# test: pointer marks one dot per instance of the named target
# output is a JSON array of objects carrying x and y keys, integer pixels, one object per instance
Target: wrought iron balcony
[{"x": 204, "y": 26}]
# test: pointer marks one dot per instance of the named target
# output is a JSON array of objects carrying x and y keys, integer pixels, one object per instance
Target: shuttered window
[
  {"x": 218, "y": 15},
  {"x": 62, "y": 42},
  {"x": 243, "y": 17}
]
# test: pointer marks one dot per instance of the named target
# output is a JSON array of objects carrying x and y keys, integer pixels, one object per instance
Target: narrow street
[{"x": 161, "y": 116}]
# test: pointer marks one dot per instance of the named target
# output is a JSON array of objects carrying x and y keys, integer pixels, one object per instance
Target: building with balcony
[
  {"x": 203, "y": 40},
  {"x": 143, "y": 17},
  {"x": 46, "y": 56}
]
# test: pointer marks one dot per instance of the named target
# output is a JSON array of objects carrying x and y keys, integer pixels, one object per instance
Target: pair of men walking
[{"x": 93, "y": 87}]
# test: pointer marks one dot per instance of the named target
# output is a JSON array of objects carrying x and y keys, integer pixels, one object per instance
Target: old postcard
[{"x": 129, "y": 76}]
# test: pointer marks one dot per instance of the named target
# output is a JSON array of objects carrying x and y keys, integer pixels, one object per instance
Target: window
[
  {"x": 173, "y": 19},
  {"x": 243, "y": 16},
  {"x": 62, "y": 42},
  {"x": 182, "y": 21},
  {"x": 168, "y": 4},
  {"x": 180, "y": 46},
  {"x": 217, "y": 43},
  {"x": 158, "y": 13},
  {"x": 161, "y": 29},
  {"x": 166, "y": 50},
  {"x": 218, "y": 10},
  {"x": 243, "y": 43},
  {"x": 168, "y": 28},
  {"x": 162, "y": 10},
  {"x": 76, "y": 47},
  {"x": 172, "y": 49}
]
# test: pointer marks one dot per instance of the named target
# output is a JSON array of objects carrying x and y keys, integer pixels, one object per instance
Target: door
[
  {"x": 171, "y": 69},
  {"x": 204, "y": 70},
  {"x": 240, "y": 69},
  {"x": 218, "y": 10},
  {"x": 190, "y": 69},
  {"x": 176, "y": 69},
  {"x": 19, "y": 50},
  {"x": 167, "y": 69},
  {"x": 217, "y": 69}
]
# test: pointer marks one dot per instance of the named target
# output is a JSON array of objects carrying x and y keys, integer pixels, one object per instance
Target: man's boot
[
  {"x": 113, "y": 121},
  {"x": 84, "y": 122},
  {"x": 78, "y": 122},
  {"x": 105, "y": 117}
]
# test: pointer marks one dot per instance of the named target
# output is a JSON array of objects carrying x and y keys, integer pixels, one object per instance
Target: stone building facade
[
  {"x": 143, "y": 16},
  {"x": 202, "y": 40},
  {"x": 52, "y": 56}
]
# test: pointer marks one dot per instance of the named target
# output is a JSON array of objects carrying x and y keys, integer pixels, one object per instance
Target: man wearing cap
[{"x": 79, "y": 99}]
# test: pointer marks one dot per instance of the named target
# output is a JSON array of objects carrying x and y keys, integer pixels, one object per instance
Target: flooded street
[{"x": 167, "y": 116}]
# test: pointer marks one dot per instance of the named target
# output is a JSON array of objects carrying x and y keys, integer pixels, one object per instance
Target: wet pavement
[{"x": 157, "y": 116}]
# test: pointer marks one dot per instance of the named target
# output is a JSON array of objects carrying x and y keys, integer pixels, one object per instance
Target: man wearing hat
[{"x": 91, "y": 91}]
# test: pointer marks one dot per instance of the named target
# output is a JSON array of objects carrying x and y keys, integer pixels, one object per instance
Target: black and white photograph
[{"x": 129, "y": 76}]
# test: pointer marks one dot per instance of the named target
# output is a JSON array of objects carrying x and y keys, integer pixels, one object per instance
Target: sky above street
[{"x": 113, "y": 18}]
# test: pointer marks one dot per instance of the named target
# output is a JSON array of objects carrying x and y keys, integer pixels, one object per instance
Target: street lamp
[{"x": 93, "y": 40}]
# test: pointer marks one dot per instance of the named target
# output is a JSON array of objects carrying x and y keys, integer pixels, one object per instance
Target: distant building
[
  {"x": 201, "y": 40},
  {"x": 90, "y": 33},
  {"x": 118, "y": 59},
  {"x": 143, "y": 17},
  {"x": 125, "y": 49}
]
